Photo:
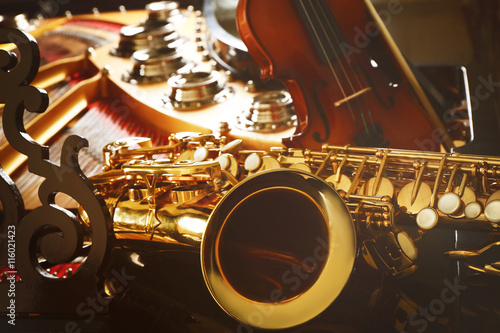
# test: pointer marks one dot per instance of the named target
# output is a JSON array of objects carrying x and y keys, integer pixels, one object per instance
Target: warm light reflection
[
  {"x": 135, "y": 259},
  {"x": 189, "y": 225}
]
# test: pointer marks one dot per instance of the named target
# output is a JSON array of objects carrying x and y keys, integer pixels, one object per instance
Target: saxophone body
[{"x": 281, "y": 233}]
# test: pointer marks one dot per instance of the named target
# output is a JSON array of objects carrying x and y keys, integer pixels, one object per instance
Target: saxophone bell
[{"x": 282, "y": 240}]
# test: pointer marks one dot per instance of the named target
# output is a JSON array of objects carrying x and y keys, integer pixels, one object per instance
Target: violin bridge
[{"x": 348, "y": 98}]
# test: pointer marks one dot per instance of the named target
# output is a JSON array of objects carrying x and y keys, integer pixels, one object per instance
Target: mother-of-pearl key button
[
  {"x": 224, "y": 161},
  {"x": 253, "y": 162},
  {"x": 492, "y": 211},
  {"x": 473, "y": 210},
  {"x": 449, "y": 203},
  {"x": 427, "y": 218},
  {"x": 200, "y": 154}
]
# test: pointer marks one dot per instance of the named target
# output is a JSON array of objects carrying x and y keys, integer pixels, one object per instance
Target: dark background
[{"x": 52, "y": 8}]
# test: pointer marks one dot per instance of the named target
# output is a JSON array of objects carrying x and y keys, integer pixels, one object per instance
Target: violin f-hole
[{"x": 321, "y": 111}]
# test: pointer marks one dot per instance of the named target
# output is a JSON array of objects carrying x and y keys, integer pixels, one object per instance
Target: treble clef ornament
[{"x": 49, "y": 235}]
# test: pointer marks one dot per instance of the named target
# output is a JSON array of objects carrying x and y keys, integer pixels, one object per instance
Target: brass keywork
[{"x": 292, "y": 209}]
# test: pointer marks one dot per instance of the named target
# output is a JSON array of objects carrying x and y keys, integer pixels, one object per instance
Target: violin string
[
  {"x": 325, "y": 53},
  {"x": 322, "y": 19},
  {"x": 338, "y": 40}
]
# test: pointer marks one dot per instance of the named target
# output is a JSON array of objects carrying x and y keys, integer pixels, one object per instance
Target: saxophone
[{"x": 284, "y": 211}]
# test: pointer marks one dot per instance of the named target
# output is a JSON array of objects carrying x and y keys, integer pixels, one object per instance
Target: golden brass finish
[
  {"x": 291, "y": 209},
  {"x": 384, "y": 188},
  {"x": 328, "y": 242},
  {"x": 421, "y": 199},
  {"x": 344, "y": 183}
]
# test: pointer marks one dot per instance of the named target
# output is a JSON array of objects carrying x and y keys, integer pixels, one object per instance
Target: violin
[{"x": 349, "y": 82}]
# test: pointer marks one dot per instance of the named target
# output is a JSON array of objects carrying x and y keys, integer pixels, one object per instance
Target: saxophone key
[
  {"x": 343, "y": 184},
  {"x": 385, "y": 188},
  {"x": 492, "y": 211},
  {"x": 492, "y": 207},
  {"x": 427, "y": 218},
  {"x": 300, "y": 166},
  {"x": 201, "y": 154},
  {"x": 421, "y": 200},
  {"x": 450, "y": 204},
  {"x": 229, "y": 163},
  {"x": 255, "y": 163},
  {"x": 473, "y": 209},
  {"x": 407, "y": 245}
]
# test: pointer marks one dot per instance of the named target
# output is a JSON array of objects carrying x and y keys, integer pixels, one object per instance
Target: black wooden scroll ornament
[{"x": 49, "y": 235}]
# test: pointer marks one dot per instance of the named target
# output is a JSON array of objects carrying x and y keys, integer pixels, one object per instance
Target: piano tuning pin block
[
  {"x": 268, "y": 112},
  {"x": 197, "y": 89},
  {"x": 162, "y": 11},
  {"x": 154, "y": 65},
  {"x": 156, "y": 31}
]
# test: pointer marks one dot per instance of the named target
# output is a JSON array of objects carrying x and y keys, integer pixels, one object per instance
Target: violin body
[{"x": 348, "y": 80}]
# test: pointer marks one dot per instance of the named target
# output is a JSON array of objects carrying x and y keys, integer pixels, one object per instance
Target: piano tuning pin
[
  {"x": 250, "y": 86},
  {"x": 122, "y": 9},
  {"x": 68, "y": 14},
  {"x": 205, "y": 56},
  {"x": 106, "y": 70},
  {"x": 224, "y": 128},
  {"x": 95, "y": 11},
  {"x": 90, "y": 52}
]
